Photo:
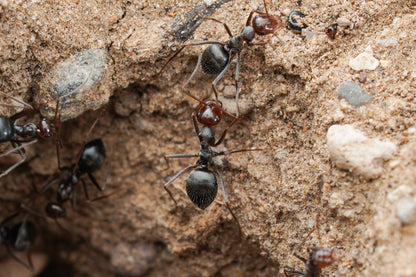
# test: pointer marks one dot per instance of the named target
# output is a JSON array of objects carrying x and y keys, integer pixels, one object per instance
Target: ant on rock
[
  {"x": 318, "y": 259},
  {"x": 217, "y": 57},
  {"x": 201, "y": 183},
  {"x": 18, "y": 237},
  {"x": 21, "y": 136}
]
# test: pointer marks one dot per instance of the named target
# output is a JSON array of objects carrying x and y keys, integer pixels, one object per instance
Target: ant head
[
  {"x": 92, "y": 157},
  {"x": 209, "y": 113},
  {"x": 55, "y": 210},
  {"x": 323, "y": 257},
  {"x": 331, "y": 31},
  {"x": 46, "y": 129},
  {"x": 22, "y": 235},
  {"x": 201, "y": 187},
  {"x": 266, "y": 24}
]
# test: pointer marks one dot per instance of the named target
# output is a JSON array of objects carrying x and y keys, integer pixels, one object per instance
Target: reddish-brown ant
[
  {"x": 318, "y": 259},
  {"x": 21, "y": 136},
  {"x": 217, "y": 57}
]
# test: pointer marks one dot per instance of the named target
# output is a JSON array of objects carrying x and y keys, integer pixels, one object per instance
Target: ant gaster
[
  {"x": 19, "y": 237},
  {"x": 90, "y": 160},
  {"x": 23, "y": 135},
  {"x": 217, "y": 57}
]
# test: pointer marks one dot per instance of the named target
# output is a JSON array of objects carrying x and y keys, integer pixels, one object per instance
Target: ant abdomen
[
  {"x": 323, "y": 257},
  {"x": 93, "y": 156},
  {"x": 214, "y": 59},
  {"x": 201, "y": 187},
  {"x": 22, "y": 235}
]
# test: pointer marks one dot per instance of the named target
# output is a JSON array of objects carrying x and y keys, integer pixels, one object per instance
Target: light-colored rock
[
  {"x": 364, "y": 61},
  {"x": 352, "y": 150},
  {"x": 406, "y": 210}
]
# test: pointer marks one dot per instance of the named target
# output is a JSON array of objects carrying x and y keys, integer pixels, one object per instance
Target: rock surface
[{"x": 290, "y": 101}]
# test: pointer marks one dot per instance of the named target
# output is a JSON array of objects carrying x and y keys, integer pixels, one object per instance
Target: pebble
[
  {"x": 388, "y": 42},
  {"x": 74, "y": 81},
  {"x": 133, "y": 259},
  {"x": 345, "y": 23},
  {"x": 352, "y": 93},
  {"x": 351, "y": 150},
  {"x": 364, "y": 61},
  {"x": 406, "y": 210}
]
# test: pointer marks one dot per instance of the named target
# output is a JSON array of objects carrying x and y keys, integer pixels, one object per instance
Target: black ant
[
  {"x": 201, "y": 183},
  {"x": 21, "y": 136},
  {"x": 90, "y": 160},
  {"x": 217, "y": 57},
  {"x": 318, "y": 259},
  {"x": 18, "y": 237}
]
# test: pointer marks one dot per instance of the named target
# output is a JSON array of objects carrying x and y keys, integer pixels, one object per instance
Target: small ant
[
  {"x": 90, "y": 160},
  {"x": 331, "y": 31},
  {"x": 21, "y": 136},
  {"x": 217, "y": 57},
  {"x": 201, "y": 183},
  {"x": 19, "y": 237},
  {"x": 318, "y": 259}
]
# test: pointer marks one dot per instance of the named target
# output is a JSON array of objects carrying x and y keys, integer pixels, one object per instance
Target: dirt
[{"x": 288, "y": 101}]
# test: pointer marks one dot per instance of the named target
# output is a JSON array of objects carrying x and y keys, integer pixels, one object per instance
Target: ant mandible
[
  {"x": 201, "y": 183},
  {"x": 217, "y": 57},
  {"x": 21, "y": 136}
]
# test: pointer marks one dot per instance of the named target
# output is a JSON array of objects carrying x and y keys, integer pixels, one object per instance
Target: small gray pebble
[
  {"x": 352, "y": 93},
  {"x": 406, "y": 210}
]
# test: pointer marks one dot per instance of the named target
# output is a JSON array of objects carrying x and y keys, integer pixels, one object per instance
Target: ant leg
[
  {"x": 178, "y": 156},
  {"x": 225, "y": 25},
  {"x": 186, "y": 169},
  {"x": 49, "y": 184},
  {"x": 300, "y": 258},
  {"x": 237, "y": 84},
  {"x": 219, "y": 77},
  {"x": 227, "y": 202},
  {"x": 74, "y": 198},
  {"x": 22, "y": 154},
  {"x": 193, "y": 72},
  {"x": 195, "y": 123},
  {"x": 17, "y": 148},
  {"x": 27, "y": 109},
  {"x": 17, "y": 259},
  {"x": 225, "y": 131},
  {"x": 85, "y": 188},
  {"x": 188, "y": 45},
  {"x": 286, "y": 271},
  {"x": 225, "y": 153}
]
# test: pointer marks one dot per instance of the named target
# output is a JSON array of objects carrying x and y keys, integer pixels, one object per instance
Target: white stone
[
  {"x": 350, "y": 149},
  {"x": 364, "y": 61},
  {"x": 406, "y": 210}
]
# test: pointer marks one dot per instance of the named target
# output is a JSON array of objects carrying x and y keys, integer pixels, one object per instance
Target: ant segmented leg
[
  {"x": 224, "y": 24},
  {"x": 186, "y": 169},
  {"x": 227, "y": 202}
]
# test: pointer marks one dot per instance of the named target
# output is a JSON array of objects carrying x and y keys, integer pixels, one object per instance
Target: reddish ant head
[
  {"x": 266, "y": 24},
  {"x": 46, "y": 128},
  {"x": 209, "y": 113},
  {"x": 331, "y": 31},
  {"x": 323, "y": 257}
]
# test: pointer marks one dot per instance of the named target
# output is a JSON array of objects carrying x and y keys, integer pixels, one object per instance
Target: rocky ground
[{"x": 335, "y": 119}]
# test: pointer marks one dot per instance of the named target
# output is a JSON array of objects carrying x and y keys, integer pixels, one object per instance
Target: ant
[
  {"x": 21, "y": 136},
  {"x": 201, "y": 183},
  {"x": 318, "y": 259},
  {"x": 217, "y": 57},
  {"x": 90, "y": 160},
  {"x": 18, "y": 237}
]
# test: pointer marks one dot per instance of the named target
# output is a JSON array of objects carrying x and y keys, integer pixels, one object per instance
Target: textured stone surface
[
  {"x": 352, "y": 93},
  {"x": 350, "y": 149}
]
